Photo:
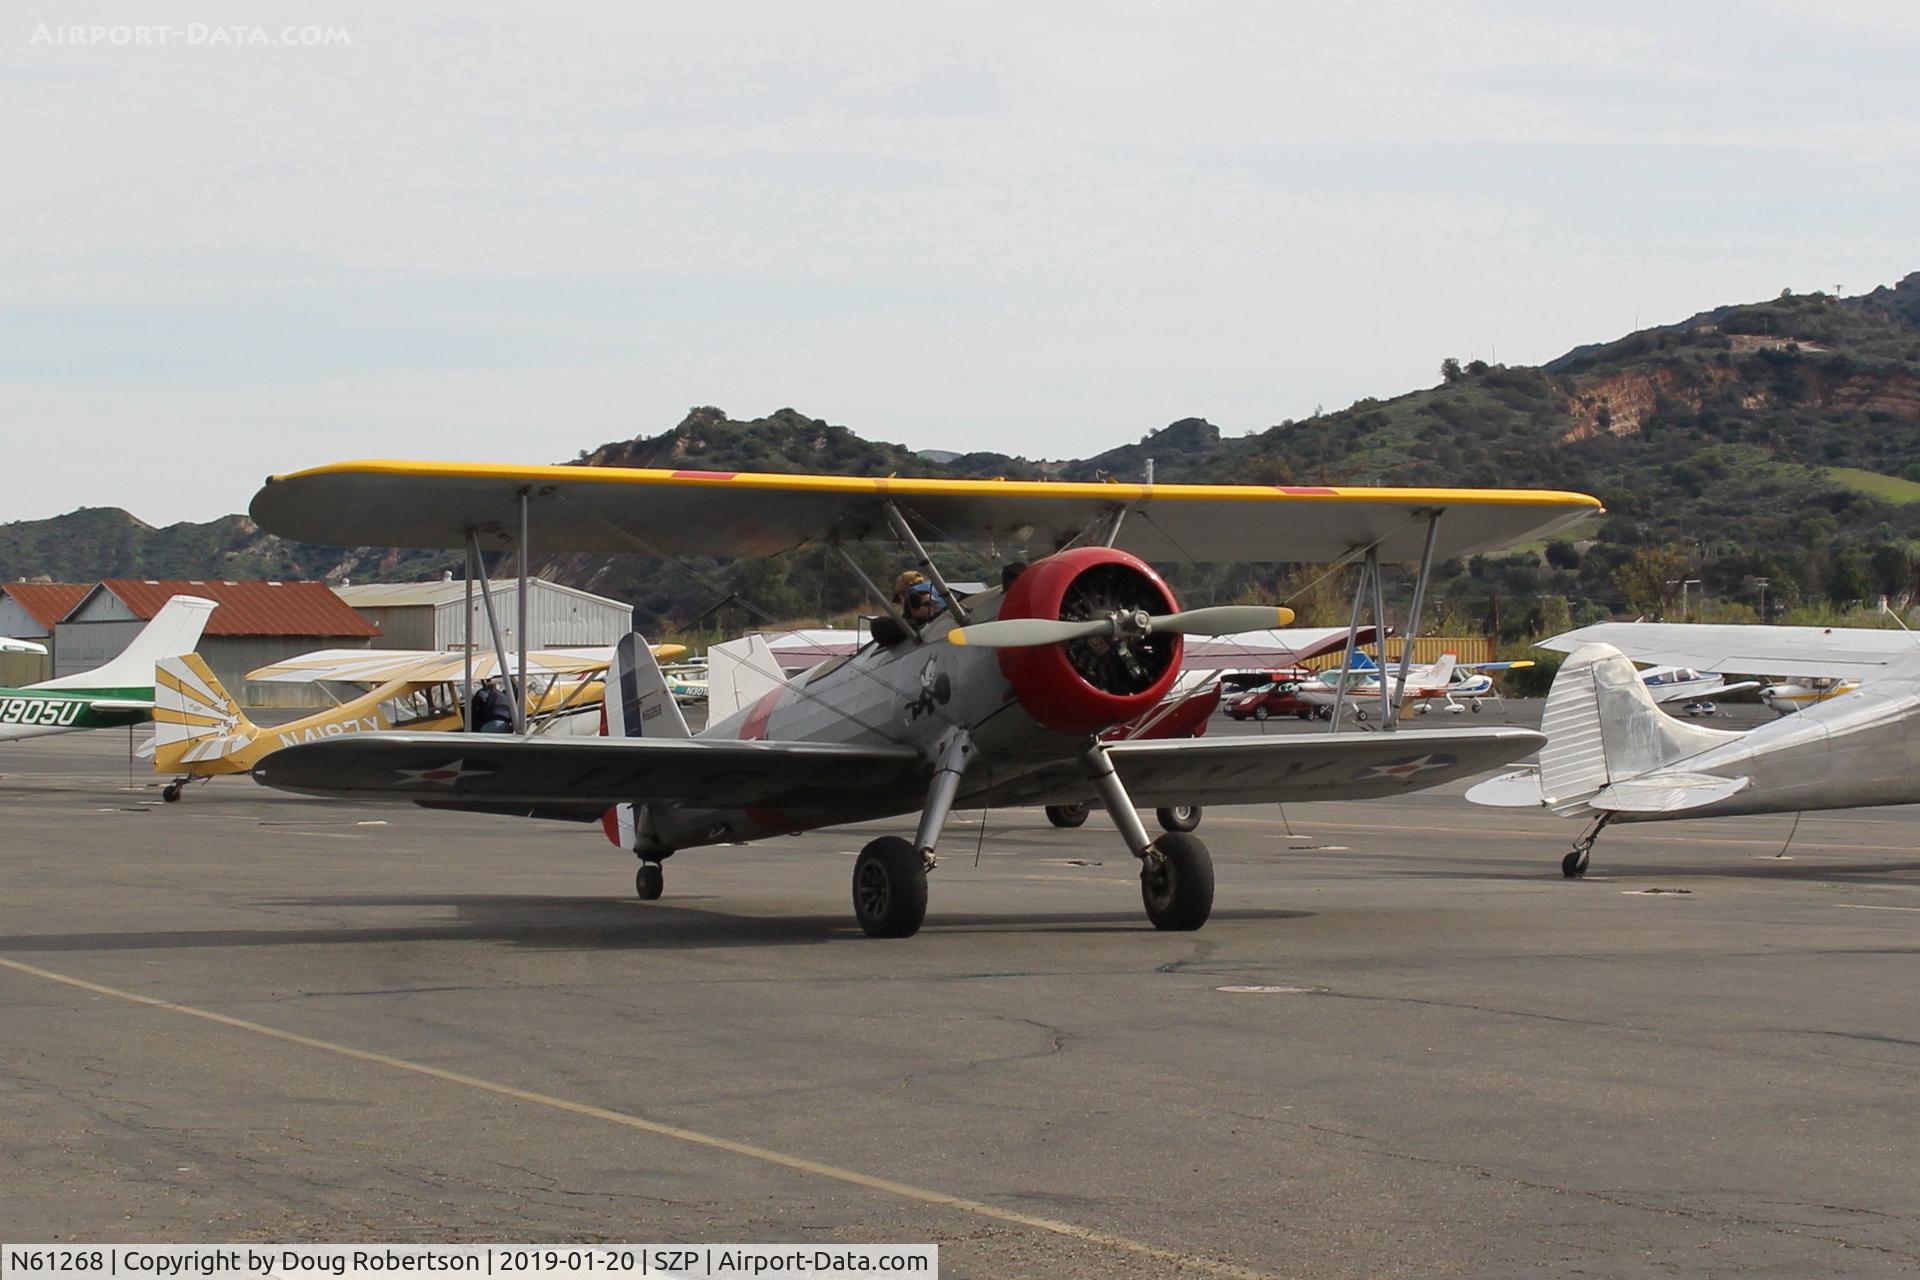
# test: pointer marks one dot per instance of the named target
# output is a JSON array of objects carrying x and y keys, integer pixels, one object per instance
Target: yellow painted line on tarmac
[{"x": 799, "y": 1164}]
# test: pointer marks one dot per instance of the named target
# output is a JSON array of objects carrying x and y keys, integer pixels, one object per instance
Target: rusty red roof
[
  {"x": 46, "y": 602},
  {"x": 250, "y": 608}
]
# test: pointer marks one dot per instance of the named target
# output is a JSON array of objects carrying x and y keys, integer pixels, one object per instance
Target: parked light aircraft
[
  {"x": 1459, "y": 685},
  {"x": 9, "y": 645},
  {"x": 110, "y": 696},
  {"x": 998, "y": 701},
  {"x": 1613, "y": 756},
  {"x": 201, "y": 733},
  {"x": 1788, "y": 696}
]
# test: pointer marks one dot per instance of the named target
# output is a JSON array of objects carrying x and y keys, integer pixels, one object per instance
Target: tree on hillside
[{"x": 1643, "y": 580}]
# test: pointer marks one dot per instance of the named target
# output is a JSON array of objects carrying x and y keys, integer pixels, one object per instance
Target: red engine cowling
[{"x": 1085, "y": 686}]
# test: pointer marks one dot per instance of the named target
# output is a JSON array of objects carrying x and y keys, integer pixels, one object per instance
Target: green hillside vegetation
[
  {"x": 1777, "y": 440},
  {"x": 1888, "y": 489}
]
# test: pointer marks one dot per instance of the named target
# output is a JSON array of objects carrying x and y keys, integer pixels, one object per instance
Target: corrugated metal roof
[
  {"x": 46, "y": 602},
  {"x": 250, "y": 608},
  {"x": 396, "y": 595}
]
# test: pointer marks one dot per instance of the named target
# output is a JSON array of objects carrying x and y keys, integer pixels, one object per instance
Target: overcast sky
[{"x": 478, "y": 232}]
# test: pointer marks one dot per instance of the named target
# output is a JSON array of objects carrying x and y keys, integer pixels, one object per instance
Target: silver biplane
[
  {"x": 1000, "y": 700},
  {"x": 1612, "y": 755}
]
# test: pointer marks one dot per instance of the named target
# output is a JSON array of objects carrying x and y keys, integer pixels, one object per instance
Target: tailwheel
[
  {"x": 170, "y": 793},
  {"x": 1178, "y": 817},
  {"x": 650, "y": 881},
  {"x": 1574, "y": 865},
  {"x": 1176, "y": 885},
  {"x": 890, "y": 888},
  {"x": 1067, "y": 815}
]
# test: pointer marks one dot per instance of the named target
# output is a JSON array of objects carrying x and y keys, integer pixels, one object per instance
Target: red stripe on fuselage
[
  {"x": 705, "y": 475},
  {"x": 1304, "y": 489},
  {"x": 756, "y": 726}
]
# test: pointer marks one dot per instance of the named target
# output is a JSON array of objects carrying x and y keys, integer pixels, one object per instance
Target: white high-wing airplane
[
  {"x": 1789, "y": 696},
  {"x": 1680, "y": 684},
  {"x": 118, "y": 693}
]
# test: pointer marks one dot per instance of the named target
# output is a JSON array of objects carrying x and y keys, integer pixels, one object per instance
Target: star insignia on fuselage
[
  {"x": 1408, "y": 767},
  {"x": 444, "y": 775}
]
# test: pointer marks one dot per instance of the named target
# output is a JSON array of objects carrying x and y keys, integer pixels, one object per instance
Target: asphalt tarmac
[{"x": 1402, "y": 1046}]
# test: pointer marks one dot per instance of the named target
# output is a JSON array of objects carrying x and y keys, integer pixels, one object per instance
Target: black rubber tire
[
  {"x": 890, "y": 888},
  {"x": 1179, "y": 895},
  {"x": 1179, "y": 817},
  {"x": 1574, "y": 865},
  {"x": 1067, "y": 815},
  {"x": 1474, "y": 706},
  {"x": 1323, "y": 713},
  {"x": 650, "y": 881},
  {"x": 1360, "y": 714},
  {"x": 170, "y": 792},
  {"x": 1261, "y": 713}
]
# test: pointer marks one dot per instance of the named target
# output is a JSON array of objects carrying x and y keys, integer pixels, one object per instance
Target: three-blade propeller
[{"x": 1126, "y": 624}]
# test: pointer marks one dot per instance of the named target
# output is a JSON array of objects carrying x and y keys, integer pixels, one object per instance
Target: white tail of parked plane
[
  {"x": 174, "y": 630},
  {"x": 636, "y": 704},
  {"x": 1605, "y": 733}
]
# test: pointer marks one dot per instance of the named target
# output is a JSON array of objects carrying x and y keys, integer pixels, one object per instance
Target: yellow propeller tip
[
  {"x": 1285, "y": 616},
  {"x": 957, "y": 636}
]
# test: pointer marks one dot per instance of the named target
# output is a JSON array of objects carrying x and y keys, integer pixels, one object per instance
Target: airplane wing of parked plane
[
  {"x": 433, "y": 666},
  {"x": 1853, "y": 652},
  {"x": 617, "y": 509},
  {"x": 9, "y": 645}
]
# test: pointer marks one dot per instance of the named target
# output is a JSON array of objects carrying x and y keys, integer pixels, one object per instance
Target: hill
[{"x": 1775, "y": 440}]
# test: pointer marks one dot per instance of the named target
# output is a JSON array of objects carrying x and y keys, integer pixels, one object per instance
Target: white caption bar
[{"x": 356, "y": 1261}]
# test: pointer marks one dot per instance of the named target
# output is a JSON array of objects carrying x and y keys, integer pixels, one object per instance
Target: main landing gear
[
  {"x": 1574, "y": 865},
  {"x": 1176, "y": 872}
]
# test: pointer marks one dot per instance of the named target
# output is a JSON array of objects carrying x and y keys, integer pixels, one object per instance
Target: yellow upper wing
[{"x": 725, "y": 513}]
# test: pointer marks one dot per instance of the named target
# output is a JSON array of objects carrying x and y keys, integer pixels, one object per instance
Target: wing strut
[
  {"x": 476, "y": 567},
  {"x": 1413, "y": 612},
  {"x": 925, "y": 561}
]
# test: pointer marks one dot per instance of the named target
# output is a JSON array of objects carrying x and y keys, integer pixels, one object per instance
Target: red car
[{"x": 1279, "y": 698}]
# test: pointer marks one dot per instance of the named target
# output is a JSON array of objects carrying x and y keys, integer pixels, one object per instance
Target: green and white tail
[{"x": 174, "y": 630}]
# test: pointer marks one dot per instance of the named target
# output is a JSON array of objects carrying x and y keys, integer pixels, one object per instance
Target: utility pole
[
  {"x": 1683, "y": 584},
  {"x": 1762, "y": 584}
]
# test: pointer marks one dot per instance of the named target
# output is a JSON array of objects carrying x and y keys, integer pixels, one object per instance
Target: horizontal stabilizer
[
  {"x": 1666, "y": 793},
  {"x": 1517, "y": 790}
]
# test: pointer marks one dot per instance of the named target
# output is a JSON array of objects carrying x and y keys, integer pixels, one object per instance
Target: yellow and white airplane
[{"x": 200, "y": 732}]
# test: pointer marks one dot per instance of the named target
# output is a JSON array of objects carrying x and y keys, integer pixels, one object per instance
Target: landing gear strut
[
  {"x": 1176, "y": 872},
  {"x": 890, "y": 875},
  {"x": 1574, "y": 865}
]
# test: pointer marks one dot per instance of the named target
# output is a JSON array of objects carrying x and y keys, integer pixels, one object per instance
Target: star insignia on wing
[
  {"x": 1409, "y": 767},
  {"x": 444, "y": 775}
]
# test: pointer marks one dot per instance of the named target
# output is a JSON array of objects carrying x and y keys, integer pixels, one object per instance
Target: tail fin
[
  {"x": 739, "y": 674},
  {"x": 194, "y": 719},
  {"x": 1443, "y": 670},
  {"x": 1603, "y": 727},
  {"x": 636, "y": 704},
  {"x": 174, "y": 630}
]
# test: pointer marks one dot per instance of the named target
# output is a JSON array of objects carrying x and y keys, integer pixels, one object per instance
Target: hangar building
[
  {"x": 28, "y": 611},
  {"x": 256, "y": 623},
  {"x": 427, "y": 615}
]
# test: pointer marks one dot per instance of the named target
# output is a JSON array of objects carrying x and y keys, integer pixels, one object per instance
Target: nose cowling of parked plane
[{"x": 1084, "y": 686}]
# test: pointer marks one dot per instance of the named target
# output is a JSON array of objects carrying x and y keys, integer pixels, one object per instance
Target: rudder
[{"x": 194, "y": 718}]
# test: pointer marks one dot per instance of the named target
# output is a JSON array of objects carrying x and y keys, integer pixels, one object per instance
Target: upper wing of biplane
[
  {"x": 432, "y": 666},
  {"x": 725, "y": 513},
  {"x": 1855, "y": 653}
]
